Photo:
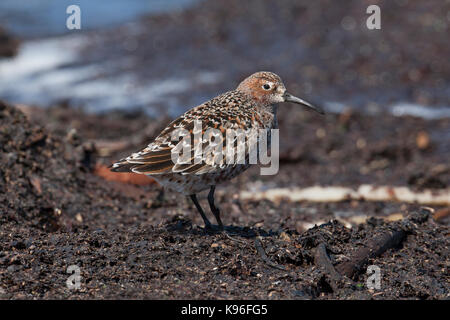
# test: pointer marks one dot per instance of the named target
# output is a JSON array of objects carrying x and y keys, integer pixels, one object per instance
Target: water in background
[
  {"x": 47, "y": 68},
  {"x": 37, "y": 18}
]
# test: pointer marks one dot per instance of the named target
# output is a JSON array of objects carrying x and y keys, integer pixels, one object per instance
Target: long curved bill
[{"x": 290, "y": 98}]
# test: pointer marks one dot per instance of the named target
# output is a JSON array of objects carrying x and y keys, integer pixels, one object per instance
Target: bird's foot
[{"x": 212, "y": 228}]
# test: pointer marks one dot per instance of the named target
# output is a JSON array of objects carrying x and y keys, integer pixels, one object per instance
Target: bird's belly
[{"x": 193, "y": 183}]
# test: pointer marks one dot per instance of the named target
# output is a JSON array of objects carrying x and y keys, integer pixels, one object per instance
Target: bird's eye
[{"x": 266, "y": 86}]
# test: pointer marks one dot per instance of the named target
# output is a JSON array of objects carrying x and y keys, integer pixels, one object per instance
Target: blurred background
[
  {"x": 74, "y": 101},
  {"x": 167, "y": 56}
]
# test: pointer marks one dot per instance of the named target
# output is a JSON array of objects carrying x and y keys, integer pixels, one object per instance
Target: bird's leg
[
  {"x": 202, "y": 213},
  {"x": 214, "y": 209}
]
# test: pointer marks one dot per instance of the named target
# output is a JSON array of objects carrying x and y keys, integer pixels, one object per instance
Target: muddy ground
[{"x": 135, "y": 241}]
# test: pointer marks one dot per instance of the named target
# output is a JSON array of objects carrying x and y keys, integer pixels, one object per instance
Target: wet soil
[{"x": 137, "y": 241}]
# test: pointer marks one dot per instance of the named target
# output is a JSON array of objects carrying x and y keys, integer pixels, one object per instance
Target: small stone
[{"x": 79, "y": 218}]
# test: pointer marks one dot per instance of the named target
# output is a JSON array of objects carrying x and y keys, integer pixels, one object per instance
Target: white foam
[
  {"x": 40, "y": 74},
  {"x": 35, "y": 74},
  {"x": 39, "y": 55},
  {"x": 399, "y": 109}
]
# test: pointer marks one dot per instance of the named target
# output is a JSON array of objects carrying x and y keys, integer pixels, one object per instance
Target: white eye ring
[{"x": 266, "y": 86}]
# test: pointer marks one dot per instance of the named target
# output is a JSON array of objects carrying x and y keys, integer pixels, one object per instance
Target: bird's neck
[
  {"x": 269, "y": 115},
  {"x": 267, "y": 111}
]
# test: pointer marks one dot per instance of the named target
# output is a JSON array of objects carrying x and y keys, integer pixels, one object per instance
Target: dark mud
[{"x": 139, "y": 242}]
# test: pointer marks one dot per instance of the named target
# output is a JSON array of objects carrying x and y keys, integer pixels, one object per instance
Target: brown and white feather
[{"x": 245, "y": 108}]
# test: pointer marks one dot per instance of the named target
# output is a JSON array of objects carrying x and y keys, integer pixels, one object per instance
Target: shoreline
[{"x": 173, "y": 61}]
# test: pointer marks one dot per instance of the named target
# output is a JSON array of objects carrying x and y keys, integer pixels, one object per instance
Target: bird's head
[{"x": 268, "y": 88}]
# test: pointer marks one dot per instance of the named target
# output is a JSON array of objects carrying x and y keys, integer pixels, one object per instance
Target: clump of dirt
[
  {"x": 46, "y": 180},
  {"x": 8, "y": 44}
]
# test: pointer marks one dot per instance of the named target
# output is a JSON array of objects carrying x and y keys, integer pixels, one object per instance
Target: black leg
[
  {"x": 202, "y": 213},
  {"x": 214, "y": 209}
]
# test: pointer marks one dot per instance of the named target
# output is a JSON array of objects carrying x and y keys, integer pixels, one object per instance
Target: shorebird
[{"x": 252, "y": 105}]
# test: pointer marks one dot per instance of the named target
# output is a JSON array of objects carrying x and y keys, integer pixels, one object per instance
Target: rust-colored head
[
  {"x": 268, "y": 88},
  {"x": 264, "y": 87}
]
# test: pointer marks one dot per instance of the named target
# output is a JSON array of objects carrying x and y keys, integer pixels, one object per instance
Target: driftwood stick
[
  {"x": 373, "y": 248},
  {"x": 382, "y": 242},
  {"x": 363, "y": 192},
  {"x": 322, "y": 260}
]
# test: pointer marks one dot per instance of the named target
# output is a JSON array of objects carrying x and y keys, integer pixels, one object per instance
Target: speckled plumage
[{"x": 252, "y": 105}]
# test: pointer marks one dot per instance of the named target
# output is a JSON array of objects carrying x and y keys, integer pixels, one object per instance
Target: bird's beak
[{"x": 290, "y": 98}]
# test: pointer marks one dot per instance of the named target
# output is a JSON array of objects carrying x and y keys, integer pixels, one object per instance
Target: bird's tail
[{"x": 121, "y": 166}]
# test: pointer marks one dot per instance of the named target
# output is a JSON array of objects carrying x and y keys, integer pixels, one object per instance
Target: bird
[{"x": 252, "y": 105}]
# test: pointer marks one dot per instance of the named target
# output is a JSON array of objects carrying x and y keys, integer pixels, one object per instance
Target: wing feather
[{"x": 222, "y": 113}]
